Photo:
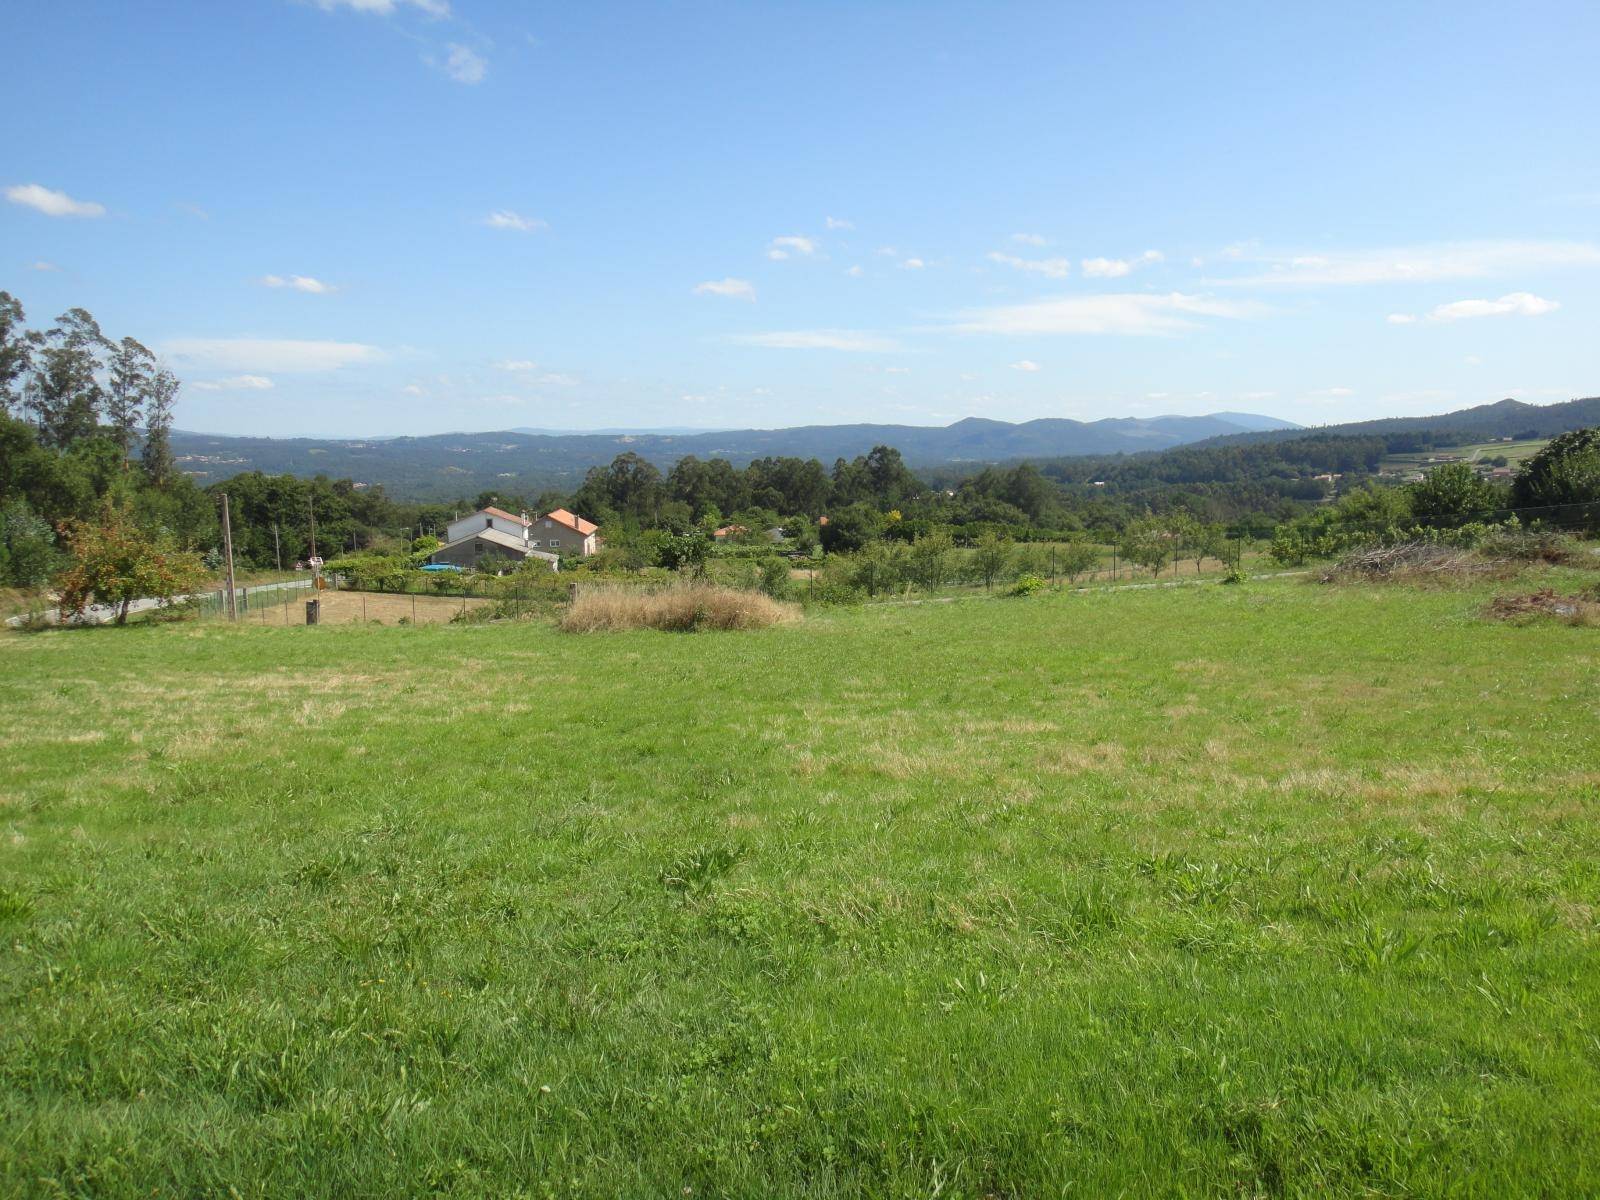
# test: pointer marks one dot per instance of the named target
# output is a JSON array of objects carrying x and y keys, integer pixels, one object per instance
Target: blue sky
[{"x": 357, "y": 217}]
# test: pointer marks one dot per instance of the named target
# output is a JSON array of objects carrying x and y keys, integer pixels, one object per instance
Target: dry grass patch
[
  {"x": 679, "y": 609},
  {"x": 1574, "y": 610}
]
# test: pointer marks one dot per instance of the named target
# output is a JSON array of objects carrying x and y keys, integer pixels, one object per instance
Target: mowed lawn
[{"x": 1275, "y": 889}]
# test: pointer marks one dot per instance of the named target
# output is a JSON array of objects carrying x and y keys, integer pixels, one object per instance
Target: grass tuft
[{"x": 679, "y": 609}]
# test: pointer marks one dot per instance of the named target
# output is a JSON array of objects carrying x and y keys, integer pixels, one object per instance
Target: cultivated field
[{"x": 1260, "y": 890}]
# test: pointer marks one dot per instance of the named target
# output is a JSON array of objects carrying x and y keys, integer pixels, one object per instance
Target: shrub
[
  {"x": 1028, "y": 585},
  {"x": 1235, "y": 575},
  {"x": 681, "y": 608},
  {"x": 775, "y": 581}
]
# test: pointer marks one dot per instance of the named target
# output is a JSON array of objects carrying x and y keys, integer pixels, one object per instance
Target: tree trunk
[{"x": 122, "y": 613}]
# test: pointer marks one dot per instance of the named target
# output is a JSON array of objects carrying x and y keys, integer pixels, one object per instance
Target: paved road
[{"x": 101, "y": 614}]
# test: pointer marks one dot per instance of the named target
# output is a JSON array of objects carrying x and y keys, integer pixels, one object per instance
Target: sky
[{"x": 376, "y": 217}]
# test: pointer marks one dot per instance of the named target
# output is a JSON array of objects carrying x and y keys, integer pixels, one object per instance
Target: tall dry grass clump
[{"x": 679, "y": 609}]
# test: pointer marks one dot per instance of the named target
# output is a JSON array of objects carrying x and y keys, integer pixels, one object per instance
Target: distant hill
[
  {"x": 1505, "y": 418},
  {"x": 448, "y": 465}
]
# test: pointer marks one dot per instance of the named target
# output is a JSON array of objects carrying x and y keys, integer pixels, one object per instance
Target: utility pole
[
  {"x": 277, "y": 548},
  {"x": 227, "y": 548}
]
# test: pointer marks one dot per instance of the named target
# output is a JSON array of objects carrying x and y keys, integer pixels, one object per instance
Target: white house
[
  {"x": 490, "y": 537},
  {"x": 493, "y": 533}
]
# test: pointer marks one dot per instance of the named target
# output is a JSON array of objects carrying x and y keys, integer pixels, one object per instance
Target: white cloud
[
  {"x": 821, "y": 339},
  {"x": 1052, "y": 268},
  {"x": 260, "y": 355},
  {"x": 41, "y": 265},
  {"x": 1522, "y": 304},
  {"x": 912, "y": 264},
  {"x": 1026, "y": 364},
  {"x": 840, "y": 223},
  {"x": 1105, "y": 268},
  {"x": 1402, "y": 318},
  {"x": 517, "y": 364},
  {"x": 504, "y": 218},
  {"x": 782, "y": 247},
  {"x": 855, "y": 272},
  {"x": 463, "y": 65},
  {"x": 1029, "y": 239},
  {"x": 1115, "y": 268},
  {"x": 238, "y": 383},
  {"x": 733, "y": 289},
  {"x": 52, "y": 203},
  {"x": 1132, "y": 313},
  {"x": 897, "y": 370},
  {"x": 1417, "y": 264},
  {"x": 1333, "y": 393},
  {"x": 300, "y": 283},
  {"x": 384, "y": 8}
]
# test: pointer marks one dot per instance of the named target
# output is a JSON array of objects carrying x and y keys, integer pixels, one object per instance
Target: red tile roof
[
  {"x": 572, "y": 521},
  {"x": 505, "y": 516}
]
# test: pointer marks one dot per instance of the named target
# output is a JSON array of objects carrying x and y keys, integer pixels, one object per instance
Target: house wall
[
  {"x": 482, "y": 520},
  {"x": 467, "y": 554},
  {"x": 571, "y": 541}
]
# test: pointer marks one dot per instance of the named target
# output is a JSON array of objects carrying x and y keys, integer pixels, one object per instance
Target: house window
[
  {"x": 547, "y": 524},
  {"x": 534, "y": 542},
  {"x": 477, "y": 547},
  {"x": 554, "y": 542}
]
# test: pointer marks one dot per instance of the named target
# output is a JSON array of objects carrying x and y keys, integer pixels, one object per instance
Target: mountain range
[
  {"x": 446, "y": 466},
  {"x": 453, "y": 464}
]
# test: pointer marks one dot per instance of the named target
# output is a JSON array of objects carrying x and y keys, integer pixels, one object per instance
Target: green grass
[{"x": 1269, "y": 890}]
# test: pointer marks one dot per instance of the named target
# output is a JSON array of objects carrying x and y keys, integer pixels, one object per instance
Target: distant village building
[
  {"x": 492, "y": 537},
  {"x": 728, "y": 532}
]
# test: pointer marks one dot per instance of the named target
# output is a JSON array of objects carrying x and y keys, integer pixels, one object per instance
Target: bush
[
  {"x": 682, "y": 608},
  {"x": 1235, "y": 576},
  {"x": 1028, "y": 584},
  {"x": 775, "y": 581}
]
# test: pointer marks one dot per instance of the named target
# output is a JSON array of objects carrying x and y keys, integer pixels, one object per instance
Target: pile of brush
[{"x": 1407, "y": 561}]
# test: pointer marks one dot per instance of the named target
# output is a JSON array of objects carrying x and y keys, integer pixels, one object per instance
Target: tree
[
  {"x": 1076, "y": 559},
  {"x": 931, "y": 559},
  {"x": 992, "y": 557},
  {"x": 114, "y": 562},
  {"x": 1566, "y": 472},
  {"x": 63, "y": 392},
  {"x": 851, "y": 527},
  {"x": 132, "y": 372},
  {"x": 879, "y": 567},
  {"x": 27, "y": 546},
  {"x": 1453, "y": 495},
  {"x": 1148, "y": 543},
  {"x": 686, "y": 553},
  {"x": 157, "y": 456},
  {"x": 16, "y": 350},
  {"x": 1203, "y": 540}
]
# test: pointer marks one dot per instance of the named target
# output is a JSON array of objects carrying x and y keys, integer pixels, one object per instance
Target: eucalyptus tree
[
  {"x": 160, "y": 396},
  {"x": 16, "y": 350},
  {"x": 63, "y": 392},
  {"x": 132, "y": 373}
]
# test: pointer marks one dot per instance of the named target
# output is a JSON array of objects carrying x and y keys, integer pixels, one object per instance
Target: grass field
[
  {"x": 1514, "y": 452},
  {"x": 1278, "y": 889}
]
